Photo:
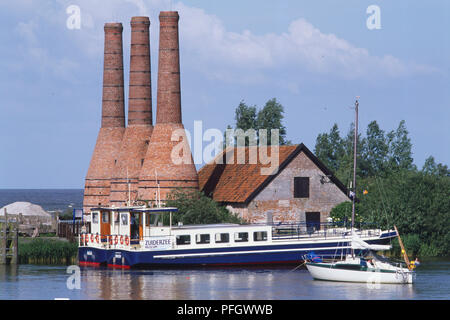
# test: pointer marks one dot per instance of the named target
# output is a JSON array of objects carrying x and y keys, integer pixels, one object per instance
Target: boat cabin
[
  {"x": 152, "y": 229},
  {"x": 130, "y": 224}
]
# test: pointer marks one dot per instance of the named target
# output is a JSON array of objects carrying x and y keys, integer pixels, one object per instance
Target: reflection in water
[
  {"x": 49, "y": 282},
  {"x": 228, "y": 284}
]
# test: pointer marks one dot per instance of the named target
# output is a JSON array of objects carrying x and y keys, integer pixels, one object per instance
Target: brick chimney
[
  {"x": 138, "y": 132},
  {"x": 159, "y": 165},
  {"x": 97, "y": 183}
]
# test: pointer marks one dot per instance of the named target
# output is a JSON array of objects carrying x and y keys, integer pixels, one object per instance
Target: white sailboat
[{"x": 369, "y": 269}]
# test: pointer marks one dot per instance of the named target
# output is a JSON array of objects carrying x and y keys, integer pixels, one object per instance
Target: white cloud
[
  {"x": 303, "y": 47},
  {"x": 208, "y": 47}
]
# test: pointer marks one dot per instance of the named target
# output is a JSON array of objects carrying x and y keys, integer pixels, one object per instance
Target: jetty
[{"x": 9, "y": 240}]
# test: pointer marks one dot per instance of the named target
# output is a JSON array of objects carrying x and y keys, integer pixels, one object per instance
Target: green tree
[
  {"x": 329, "y": 148},
  {"x": 400, "y": 154},
  {"x": 375, "y": 149},
  {"x": 271, "y": 117},
  {"x": 245, "y": 117},
  {"x": 430, "y": 167},
  {"x": 196, "y": 208}
]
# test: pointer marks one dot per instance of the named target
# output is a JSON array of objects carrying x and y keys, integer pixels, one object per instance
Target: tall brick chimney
[
  {"x": 97, "y": 183},
  {"x": 159, "y": 166},
  {"x": 138, "y": 132}
]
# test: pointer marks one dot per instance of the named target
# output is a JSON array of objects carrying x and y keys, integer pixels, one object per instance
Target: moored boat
[
  {"x": 127, "y": 237},
  {"x": 353, "y": 267},
  {"x": 360, "y": 269}
]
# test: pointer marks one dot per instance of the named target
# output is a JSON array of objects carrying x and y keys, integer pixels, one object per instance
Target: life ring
[
  {"x": 116, "y": 239},
  {"x": 127, "y": 240},
  {"x": 121, "y": 239},
  {"x": 92, "y": 237},
  {"x": 96, "y": 237}
]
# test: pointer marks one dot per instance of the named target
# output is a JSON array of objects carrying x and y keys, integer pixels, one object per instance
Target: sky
[{"x": 314, "y": 57}]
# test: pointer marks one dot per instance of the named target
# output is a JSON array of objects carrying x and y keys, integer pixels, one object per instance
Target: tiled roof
[{"x": 235, "y": 182}]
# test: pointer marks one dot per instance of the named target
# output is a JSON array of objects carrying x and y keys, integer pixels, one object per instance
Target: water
[
  {"x": 50, "y": 282},
  {"x": 48, "y": 199}
]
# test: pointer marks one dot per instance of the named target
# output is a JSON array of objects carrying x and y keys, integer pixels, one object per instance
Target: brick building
[{"x": 302, "y": 189}]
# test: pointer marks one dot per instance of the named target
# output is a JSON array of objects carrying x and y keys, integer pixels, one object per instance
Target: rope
[
  {"x": 382, "y": 201},
  {"x": 304, "y": 262}
]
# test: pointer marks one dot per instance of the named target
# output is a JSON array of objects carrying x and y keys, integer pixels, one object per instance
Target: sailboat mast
[{"x": 354, "y": 162}]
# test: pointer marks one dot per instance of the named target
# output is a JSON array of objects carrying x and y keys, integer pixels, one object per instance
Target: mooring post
[
  {"x": 15, "y": 243},
  {"x": 4, "y": 240}
]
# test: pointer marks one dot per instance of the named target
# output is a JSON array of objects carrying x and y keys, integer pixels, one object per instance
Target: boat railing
[
  {"x": 108, "y": 241},
  {"x": 282, "y": 231}
]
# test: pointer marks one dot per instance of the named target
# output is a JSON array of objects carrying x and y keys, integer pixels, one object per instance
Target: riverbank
[{"x": 47, "y": 250}]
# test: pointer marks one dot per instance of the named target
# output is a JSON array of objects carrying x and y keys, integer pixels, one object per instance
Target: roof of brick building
[{"x": 240, "y": 181}]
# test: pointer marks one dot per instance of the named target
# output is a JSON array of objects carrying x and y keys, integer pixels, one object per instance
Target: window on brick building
[{"x": 301, "y": 187}]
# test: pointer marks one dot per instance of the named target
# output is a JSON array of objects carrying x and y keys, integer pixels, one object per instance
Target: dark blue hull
[{"x": 276, "y": 254}]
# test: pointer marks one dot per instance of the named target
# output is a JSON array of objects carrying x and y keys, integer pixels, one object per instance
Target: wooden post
[
  {"x": 405, "y": 256},
  {"x": 15, "y": 243},
  {"x": 4, "y": 240}
]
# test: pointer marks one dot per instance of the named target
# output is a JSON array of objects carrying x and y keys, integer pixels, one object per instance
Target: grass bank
[{"x": 47, "y": 251}]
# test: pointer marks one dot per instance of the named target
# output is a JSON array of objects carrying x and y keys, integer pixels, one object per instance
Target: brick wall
[{"x": 278, "y": 197}]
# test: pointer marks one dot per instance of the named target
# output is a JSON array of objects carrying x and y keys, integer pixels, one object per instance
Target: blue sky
[{"x": 315, "y": 57}]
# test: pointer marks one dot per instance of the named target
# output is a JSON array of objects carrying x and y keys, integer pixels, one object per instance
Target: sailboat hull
[{"x": 328, "y": 272}]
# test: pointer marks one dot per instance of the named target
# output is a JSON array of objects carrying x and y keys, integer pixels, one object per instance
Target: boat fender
[
  {"x": 110, "y": 240},
  {"x": 127, "y": 241},
  {"x": 96, "y": 237},
  {"x": 82, "y": 238},
  {"x": 92, "y": 237},
  {"x": 116, "y": 239},
  {"x": 121, "y": 239}
]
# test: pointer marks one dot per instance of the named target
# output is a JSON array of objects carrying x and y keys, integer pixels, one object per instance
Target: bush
[
  {"x": 196, "y": 208},
  {"x": 342, "y": 214}
]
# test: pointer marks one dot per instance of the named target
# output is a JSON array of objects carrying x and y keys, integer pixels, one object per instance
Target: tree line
[{"x": 390, "y": 188}]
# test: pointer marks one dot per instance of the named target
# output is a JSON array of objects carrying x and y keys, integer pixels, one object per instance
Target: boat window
[
  {"x": 105, "y": 217},
  {"x": 124, "y": 219},
  {"x": 184, "y": 239},
  {"x": 222, "y": 237},
  {"x": 116, "y": 218},
  {"x": 240, "y": 236},
  {"x": 260, "y": 236},
  {"x": 202, "y": 238},
  {"x": 95, "y": 217},
  {"x": 152, "y": 219}
]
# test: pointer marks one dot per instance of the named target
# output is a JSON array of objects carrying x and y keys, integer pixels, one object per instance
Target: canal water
[{"x": 54, "y": 282}]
